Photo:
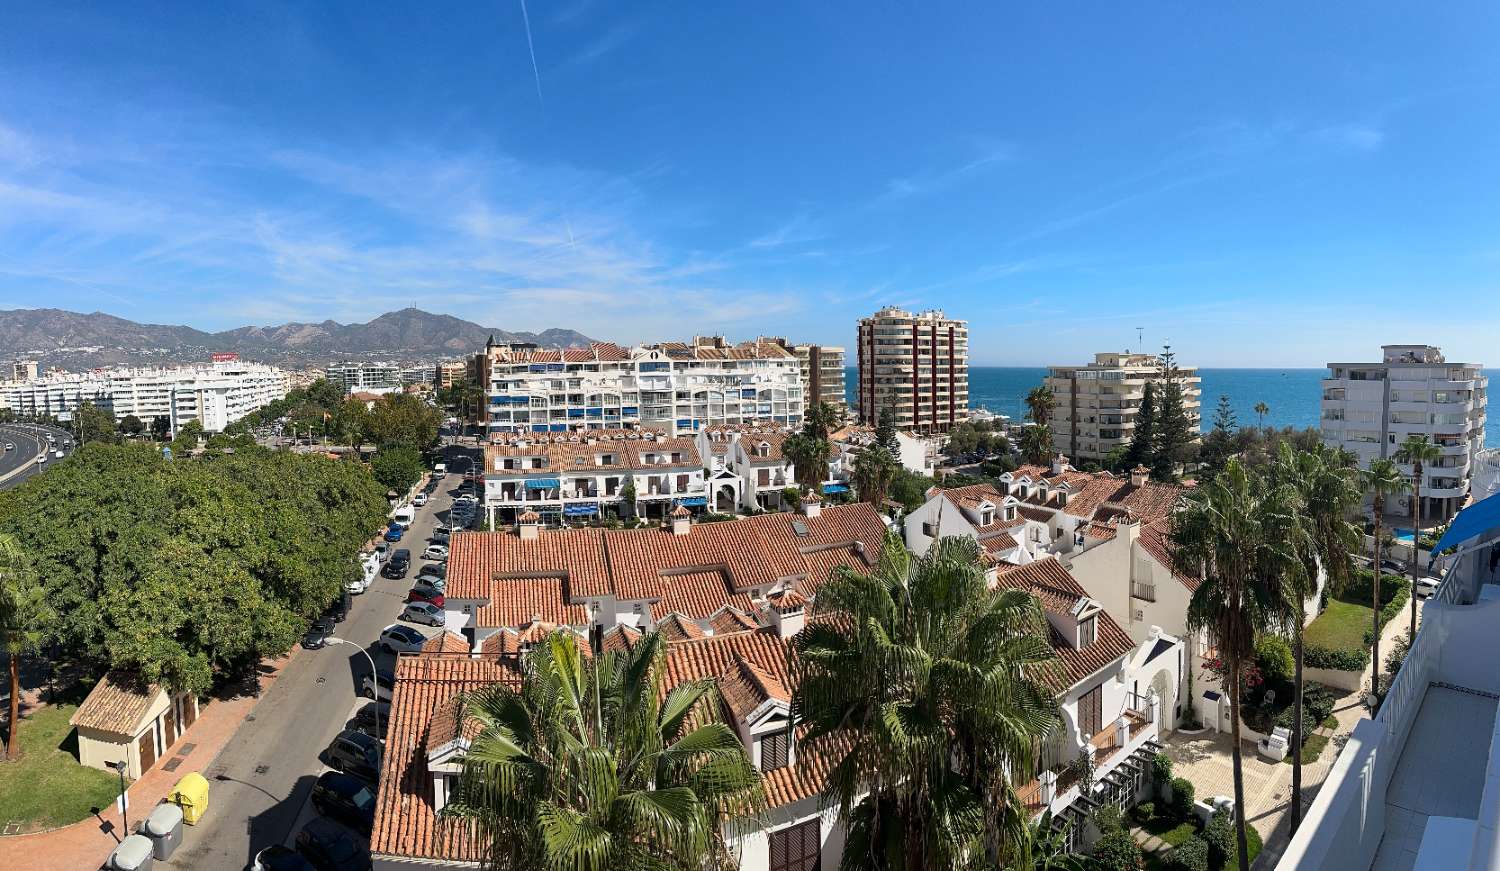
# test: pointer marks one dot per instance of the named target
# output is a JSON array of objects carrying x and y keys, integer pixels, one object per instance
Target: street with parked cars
[{"x": 321, "y": 723}]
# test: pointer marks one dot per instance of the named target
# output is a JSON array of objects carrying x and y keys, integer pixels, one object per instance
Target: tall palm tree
[
  {"x": 23, "y": 614},
  {"x": 589, "y": 766},
  {"x": 1417, "y": 451},
  {"x": 1261, "y": 410},
  {"x": 1381, "y": 480},
  {"x": 1328, "y": 489},
  {"x": 1036, "y": 444},
  {"x": 874, "y": 470},
  {"x": 809, "y": 457},
  {"x": 1231, "y": 533},
  {"x": 923, "y": 690},
  {"x": 820, "y": 420},
  {"x": 1040, "y": 402}
]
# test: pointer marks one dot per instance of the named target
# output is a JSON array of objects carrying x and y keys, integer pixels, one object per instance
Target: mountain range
[{"x": 72, "y": 340}]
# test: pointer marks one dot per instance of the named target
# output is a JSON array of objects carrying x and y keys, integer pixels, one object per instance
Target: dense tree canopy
[{"x": 187, "y": 567}]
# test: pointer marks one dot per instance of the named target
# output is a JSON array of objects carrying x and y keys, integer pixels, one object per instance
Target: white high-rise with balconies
[
  {"x": 1371, "y": 408},
  {"x": 1096, "y": 404}
]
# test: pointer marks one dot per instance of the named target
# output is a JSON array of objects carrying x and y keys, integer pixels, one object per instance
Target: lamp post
[
  {"x": 120, "y": 767},
  {"x": 373, "y": 678}
]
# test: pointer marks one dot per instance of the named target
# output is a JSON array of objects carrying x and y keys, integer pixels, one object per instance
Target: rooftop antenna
[{"x": 1139, "y": 341}]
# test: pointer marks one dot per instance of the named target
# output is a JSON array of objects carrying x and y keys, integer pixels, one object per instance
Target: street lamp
[
  {"x": 120, "y": 766},
  {"x": 374, "y": 678}
]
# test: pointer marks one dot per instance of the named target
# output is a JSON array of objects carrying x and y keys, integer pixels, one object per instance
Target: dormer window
[
  {"x": 1087, "y": 631},
  {"x": 1010, "y": 512},
  {"x": 775, "y": 751},
  {"x": 763, "y": 450},
  {"x": 986, "y": 517}
]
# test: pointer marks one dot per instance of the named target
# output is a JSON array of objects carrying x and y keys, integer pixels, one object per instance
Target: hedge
[
  {"x": 1190, "y": 855},
  {"x": 1391, "y": 609},
  {"x": 1317, "y": 656}
]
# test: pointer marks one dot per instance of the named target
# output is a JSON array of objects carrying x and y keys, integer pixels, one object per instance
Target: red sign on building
[{"x": 226, "y": 357}]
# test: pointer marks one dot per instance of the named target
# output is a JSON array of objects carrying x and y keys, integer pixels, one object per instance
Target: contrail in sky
[{"x": 532, "y": 48}]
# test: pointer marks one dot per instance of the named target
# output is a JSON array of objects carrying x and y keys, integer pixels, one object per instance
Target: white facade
[
  {"x": 215, "y": 395},
  {"x": 1097, "y": 403},
  {"x": 354, "y": 377},
  {"x": 674, "y": 387},
  {"x": 1371, "y": 408},
  {"x": 914, "y": 369}
]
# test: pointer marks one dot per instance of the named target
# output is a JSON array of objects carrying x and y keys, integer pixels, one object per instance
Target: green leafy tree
[
  {"x": 132, "y": 426},
  {"x": 24, "y": 616},
  {"x": 1382, "y": 481},
  {"x": 324, "y": 394},
  {"x": 1143, "y": 441},
  {"x": 92, "y": 423},
  {"x": 1328, "y": 490},
  {"x": 820, "y": 420},
  {"x": 809, "y": 457},
  {"x": 1044, "y": 847},
  {"x": 403, "y": 419},
  {"x": 1036, "y": 444},
  {"x": 187, "y": 438},
  {"x": 922, "y": 687},
  {"x": 874, "y": 470},
  {"x": 1231, "y": 532},
  {"x": 1224, "y": 416},
  {"x": 397, "y": 467},
  {"x": 591, "y": 766},
  {"x": 1173, "y": 429},
  {"x": 1418, "y": 452},
  {"x": 885, "y": 434},
  {"x": 351, "y": 420},
  {"x": 161, "y": 427},
  {"x": 1039, "y": 405},
  {"x": 909, "y": 488}
]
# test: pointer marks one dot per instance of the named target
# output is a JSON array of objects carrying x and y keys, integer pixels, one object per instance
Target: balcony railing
[{"x": 1139, "y": 590}]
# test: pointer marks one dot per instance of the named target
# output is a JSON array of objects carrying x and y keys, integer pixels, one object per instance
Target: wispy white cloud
[
  {"x": 933, "y": 181},
  {"x": 1356, "y": 137},
  {"x": 799, "y": 230}
]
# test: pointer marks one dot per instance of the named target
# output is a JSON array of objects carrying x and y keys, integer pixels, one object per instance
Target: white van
[
  {"x": 440, "y": 470},
  {"x": 403, "y": 516}
]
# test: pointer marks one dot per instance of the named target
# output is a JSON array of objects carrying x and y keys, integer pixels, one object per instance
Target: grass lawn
[
  {"x": 1312, "y": 748},
  {"x": 1330, "y": 722},
  {"x": 47, "y": 787},
  {"x": 1341, "y": 626},
  {"x": 1176, "y": 833}
]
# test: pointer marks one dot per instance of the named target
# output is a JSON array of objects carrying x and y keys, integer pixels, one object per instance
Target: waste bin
[
  {"x": 190, "y": 794},
  {"x": 164, "y": 828},
  {"x": 132, "y": 854}
]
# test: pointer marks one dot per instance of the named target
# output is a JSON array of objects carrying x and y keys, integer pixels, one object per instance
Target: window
[
  {"x": 1091, "y": 711},
  {"x": 797, "y": 848},
  {"x": 1087, "y": 631},
  {"x": 774, "y": 751},
  {"x": 929, "y": 529}
]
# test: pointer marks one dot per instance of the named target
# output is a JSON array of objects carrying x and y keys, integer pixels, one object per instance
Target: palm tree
[
  {"x": 820, "y": 420},
  {"x": 1045, "y": 848},
  {"x": 809, "y": 457},
  {"x": 1036, "y": 444},
  {"x": 23, "y": 611},
  {"x": 1040, "y": 402},
  {"x": 1231, "y": 533},
  {"x": 590, "y": 766},
  {"x": 874, "y": 470},
  {"x": 922, "y": 688},
  {"x": 1381, "y": 480},
  {"x": 1328, "y": 490},
  {"x": 1261, "y": 410},
  {"x": 1418, "y": 451}
]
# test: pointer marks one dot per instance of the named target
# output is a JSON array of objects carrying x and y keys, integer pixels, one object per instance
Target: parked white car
[
  {"x": 1426, "y": 587},
  {"x": 436, "y": 552}
]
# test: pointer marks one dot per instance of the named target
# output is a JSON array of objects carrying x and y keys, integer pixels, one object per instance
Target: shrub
[
  {"x": 1107, "y": 819},
  {"x": 1318, "y": 700},
  {"x": 1190, "y": 855},
  {"x": 1274, "y": 656},
  {"x": 1161, "y": 774},
  {"x": 1117, "y": 851},
  {"x": 1317, "y": 656},
  {"x": 1392, "y": 607},
  {"x": 1219, "y": 833},
  {"x": 792, "y": 496},
  {"x": 1398, "y": 655},
  {"x": 1145, "y": 811},
  {"x": 1182, "y": 798}
]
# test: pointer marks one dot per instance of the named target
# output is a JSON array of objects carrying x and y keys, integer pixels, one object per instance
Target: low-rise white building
[{"x": 215, "y": 394}]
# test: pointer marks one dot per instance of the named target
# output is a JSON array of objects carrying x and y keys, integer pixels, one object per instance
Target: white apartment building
[
  {"x": 671, "y": 386},
  {"x": 366, "y": 376},
  {"x": 1371, "y": 408},
  {"x": 215, "y": 395},
  {"x": 1097, "y": 403},
  {"x": 823, "y": 374},
  {"x": 914, "y": 367},
  {"x": 23, "y": 370}
]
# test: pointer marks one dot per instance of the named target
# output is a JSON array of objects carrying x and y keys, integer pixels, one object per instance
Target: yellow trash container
[{"x": 190, "y": 794}]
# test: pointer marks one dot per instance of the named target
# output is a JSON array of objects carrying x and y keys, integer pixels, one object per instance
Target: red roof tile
[{"x": 1058, "y": 592}]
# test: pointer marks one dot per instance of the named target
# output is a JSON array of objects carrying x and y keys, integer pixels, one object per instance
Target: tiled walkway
[{"x": 1432, "y": 780}]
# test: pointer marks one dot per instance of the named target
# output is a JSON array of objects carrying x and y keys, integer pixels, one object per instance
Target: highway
[{"x": 20, "y": 463}]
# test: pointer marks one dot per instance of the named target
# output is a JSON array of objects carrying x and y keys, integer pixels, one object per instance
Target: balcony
[{"x": 1121, "y": 755}]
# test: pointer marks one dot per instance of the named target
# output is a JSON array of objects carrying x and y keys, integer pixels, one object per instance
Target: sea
[{"x": 1292, "y": 396}]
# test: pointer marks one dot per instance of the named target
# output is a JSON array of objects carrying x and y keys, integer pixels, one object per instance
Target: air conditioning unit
[{"x": 1139, "y": 615}]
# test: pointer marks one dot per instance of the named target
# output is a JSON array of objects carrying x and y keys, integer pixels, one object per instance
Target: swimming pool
[{"x": 1404, "y": 535}]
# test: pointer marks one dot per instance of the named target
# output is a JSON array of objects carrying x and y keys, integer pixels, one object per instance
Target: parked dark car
[
  {"x": 346, "y": 799},
  {"x": 279, "y": 858},
  {"x": 330, "y": 847},
  {"x": 317, "y": 634},
  {"x": 355, "y": 753},
  {"x": 425, "y": 594},
  {"x": 340, "y": 607},
  {"x": 364, "y": 719},
  {"x": 434, "y": 570},
  {"x": 398, "y": 566},
  {"x": 439, "y": 538}
]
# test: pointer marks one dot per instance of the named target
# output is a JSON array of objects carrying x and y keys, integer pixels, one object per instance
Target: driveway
[{"x": 260, "y": 782}]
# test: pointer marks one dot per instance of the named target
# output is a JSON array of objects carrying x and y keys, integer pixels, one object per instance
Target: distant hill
[{"x": 72, "y": 340}]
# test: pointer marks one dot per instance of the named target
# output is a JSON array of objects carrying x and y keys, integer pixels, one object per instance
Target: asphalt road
[
  {"x": 22, "y": 461},
  {"x": 260, "y": 782}
]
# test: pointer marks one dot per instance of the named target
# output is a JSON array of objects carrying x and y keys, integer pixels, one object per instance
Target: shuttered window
[
  {"x": 797, "y": 848},
  {"x": 1091, "y": 711},
  {"x": 773, "y": 752}
]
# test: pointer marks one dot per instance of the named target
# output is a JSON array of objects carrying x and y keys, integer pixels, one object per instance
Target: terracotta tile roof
[
  {"x": 999, "y": 542},
  {"x": 476, "y": 559},
  {"x": 1040, "y": 515},
  {"x": 788, "y": 600},
  {"x": 678, "y": 628},
  {"x": 446, "y": 642},
  {"x": 405, "y": 824},
  {"x": 1059, "y": 592},
  {"x": 621, "y": 637},
  {"x": 1156, "y": 540},
  {"x": 116, "y": 704},
  {"x": 577, "y": 456},
  {"x": 730, "y": 620},
  {"x": 745, "y": 686},
  {"x": 519, "y": 602},
  {"x": 1099, "y": 530},
  {"x": 698, "y": 594}
]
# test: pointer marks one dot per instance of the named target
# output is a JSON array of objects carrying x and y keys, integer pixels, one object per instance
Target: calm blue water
[{"x": 1292, "y": 394}]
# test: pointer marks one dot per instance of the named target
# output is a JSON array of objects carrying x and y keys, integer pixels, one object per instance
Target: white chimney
[
  {"x": 529, "y": 524},
  {"x": 1139, "y": 476},
  {"x": 788, "y": 613},
  {"x": 812, "y": 505},
  {"x": 682, "y": 521},
  {"x": 1059, "y": 464}
]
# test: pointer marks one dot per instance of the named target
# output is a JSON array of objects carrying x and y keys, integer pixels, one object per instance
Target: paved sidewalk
[{"x": 86, "y": 845}]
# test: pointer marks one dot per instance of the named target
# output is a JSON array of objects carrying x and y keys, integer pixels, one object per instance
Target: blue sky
[{"x": 1272, "y": 184}]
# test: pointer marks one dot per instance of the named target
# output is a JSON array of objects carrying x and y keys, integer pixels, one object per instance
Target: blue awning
[
  {"x": 580, "y": 510},
  {"x": 1472, "y": 522},
  {"x": 835, "y": 488},
  {"x": 693, "y": 501},
  {"x": 542, "y": 483}
]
